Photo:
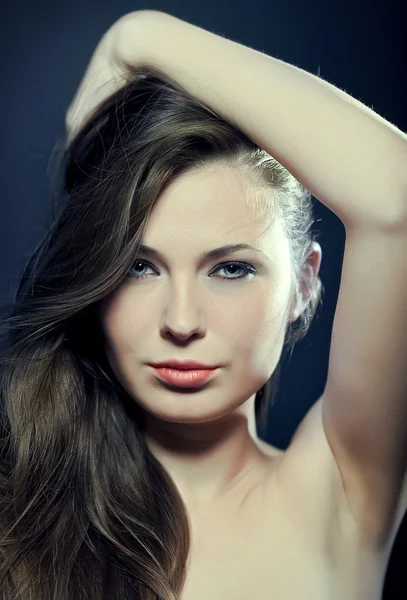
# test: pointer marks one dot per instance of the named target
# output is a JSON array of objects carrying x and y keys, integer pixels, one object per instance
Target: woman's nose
[{"x": 183, "y": 318}]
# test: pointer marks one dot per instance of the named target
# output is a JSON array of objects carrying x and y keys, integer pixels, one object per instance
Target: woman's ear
[{"x": 309, "y": 275}]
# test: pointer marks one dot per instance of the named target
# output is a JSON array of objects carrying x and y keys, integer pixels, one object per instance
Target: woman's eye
[
  {"x": 232, "y": 267},
  {"x": 134, "y": 275},
  {"x": 240, "y": 266}
]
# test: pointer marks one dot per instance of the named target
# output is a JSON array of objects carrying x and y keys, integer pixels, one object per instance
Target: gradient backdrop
[{"x": 359, "y": 46}]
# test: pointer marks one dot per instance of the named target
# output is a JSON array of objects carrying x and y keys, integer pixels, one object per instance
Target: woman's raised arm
[{"x": 350, "y": 158}]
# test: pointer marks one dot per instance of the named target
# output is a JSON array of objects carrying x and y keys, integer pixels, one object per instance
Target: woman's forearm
[{"x": 350, "y": 158}]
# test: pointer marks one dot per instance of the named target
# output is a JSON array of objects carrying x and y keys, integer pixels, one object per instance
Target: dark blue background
[{"x": 45, "y": 47}]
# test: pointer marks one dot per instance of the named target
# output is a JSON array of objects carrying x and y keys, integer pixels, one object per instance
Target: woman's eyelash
[{"x": 246, "y": 267}]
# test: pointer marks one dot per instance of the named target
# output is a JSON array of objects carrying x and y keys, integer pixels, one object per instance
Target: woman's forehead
[{"x": 210, "y": 199}]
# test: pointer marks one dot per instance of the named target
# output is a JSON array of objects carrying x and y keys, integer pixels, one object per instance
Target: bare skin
[{"x": 289, "y": 536}]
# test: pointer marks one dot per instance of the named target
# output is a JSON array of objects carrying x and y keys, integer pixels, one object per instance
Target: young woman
[{"x": 150, "y": 323}]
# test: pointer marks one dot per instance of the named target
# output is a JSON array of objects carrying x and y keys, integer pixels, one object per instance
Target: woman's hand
[
  {"x": 105, "y": 74},
  {"x": 122, "y": 49}
]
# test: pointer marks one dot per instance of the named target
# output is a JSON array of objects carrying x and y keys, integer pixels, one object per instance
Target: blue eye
[{"x": 245, "y": 267}]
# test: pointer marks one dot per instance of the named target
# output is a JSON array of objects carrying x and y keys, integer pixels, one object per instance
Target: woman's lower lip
[{"x": 184, "y": 378}]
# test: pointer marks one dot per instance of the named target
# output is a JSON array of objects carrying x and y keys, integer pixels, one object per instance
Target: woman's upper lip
[{"x": 183, "y": 364}]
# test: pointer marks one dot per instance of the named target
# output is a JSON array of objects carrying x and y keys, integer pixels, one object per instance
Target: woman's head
[
  {"x": 183, "y": 304},
  {"x": 80, "y": 494}
]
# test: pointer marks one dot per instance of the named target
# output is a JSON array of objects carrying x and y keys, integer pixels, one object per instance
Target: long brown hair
[{"x": 86, "y": 511}]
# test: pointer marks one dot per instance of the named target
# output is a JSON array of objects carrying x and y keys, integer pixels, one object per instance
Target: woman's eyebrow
[{"x": 209, "y": 254}]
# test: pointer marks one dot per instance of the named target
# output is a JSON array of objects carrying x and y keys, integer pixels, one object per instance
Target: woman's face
[{"x": 188, "y": 307}]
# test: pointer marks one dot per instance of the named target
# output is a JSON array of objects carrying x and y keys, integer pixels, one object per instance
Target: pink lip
[
  {"x": 185, "y": 378},
  {"x": 183, "y": 364}
]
